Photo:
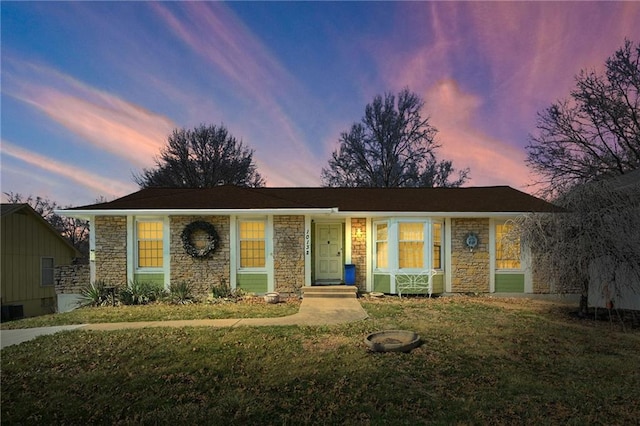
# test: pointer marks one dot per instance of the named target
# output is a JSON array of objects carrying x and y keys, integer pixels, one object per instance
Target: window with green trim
[
  {"x": 149, "y": 241},
  {"x": 252, "y": 237},
  {"x": 508, "y": 251}
]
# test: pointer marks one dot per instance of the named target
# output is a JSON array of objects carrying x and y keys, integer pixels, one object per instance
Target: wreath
[{"x": 187, "y": 234}]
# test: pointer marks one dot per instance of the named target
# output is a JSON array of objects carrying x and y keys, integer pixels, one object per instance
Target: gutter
[{"x": 86, "y": 214}]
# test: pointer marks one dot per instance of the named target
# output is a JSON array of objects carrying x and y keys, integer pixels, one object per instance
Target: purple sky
[{"x": 90, "y": 91}]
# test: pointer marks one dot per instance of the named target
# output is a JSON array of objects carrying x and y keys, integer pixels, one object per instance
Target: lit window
[
  {"x": 507, "y": 247},
  {"x": 382, "y": 244},
  {"x": 252, "y": 244},
  {"x": 437, "y": 245},
  {"x": 46, "y": 268},
  {"x": 410, "y": 245},
  {"x": 150, "y": 245}
]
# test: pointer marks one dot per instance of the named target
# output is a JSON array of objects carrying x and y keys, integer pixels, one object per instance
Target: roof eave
[
  {"x": 334, "y": 211},
  {"x": 85, "y": 214}
]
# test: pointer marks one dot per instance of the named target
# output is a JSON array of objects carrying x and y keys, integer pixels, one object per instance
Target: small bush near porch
[{"x": 484, "y": 361}]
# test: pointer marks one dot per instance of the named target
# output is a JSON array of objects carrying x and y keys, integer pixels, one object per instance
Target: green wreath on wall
[{"x": 212, "y": 239}]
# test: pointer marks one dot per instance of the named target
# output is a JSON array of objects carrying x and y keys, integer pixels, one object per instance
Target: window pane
[
  {"x": 252, "y": 244},
  {"x": 410, "y": 245},
  {"x": 150, "y": 244},
  {"x": 382, "y": 246},
  {"x": 507, "y": 247},
  {"x": 382, "y": 260},
  {"x": 411, "y": 232},
  {"x": 410, "y": 254},
  {"x": 381, "y": 232},
  {"x": 251, "y": 230},
  {"x": 437, "y": 246},
  {"x": 47, "y": 266}
]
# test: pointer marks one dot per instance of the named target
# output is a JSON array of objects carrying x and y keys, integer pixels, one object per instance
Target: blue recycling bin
[{"x": 349, "y": 274}]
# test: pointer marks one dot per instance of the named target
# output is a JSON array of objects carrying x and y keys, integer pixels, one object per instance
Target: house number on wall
[{"x": 307, "y": 242}]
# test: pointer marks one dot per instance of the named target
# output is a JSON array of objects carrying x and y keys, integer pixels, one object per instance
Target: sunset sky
[{"x": 91, "y": 90}]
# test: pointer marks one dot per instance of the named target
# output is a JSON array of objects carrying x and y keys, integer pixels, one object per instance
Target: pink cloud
[
  {"x": 492, "y": 161},
  {"x": 103, "y": 119},
  {"x": 95, "y": 182}
]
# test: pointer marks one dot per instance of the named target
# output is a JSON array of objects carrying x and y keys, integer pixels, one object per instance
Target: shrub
[
  {"x": 96, "y": 293},
  {"x": 181, "y": 293},
  {"x": 222, "y": 290},
  {"x": 141, "y": 293}
]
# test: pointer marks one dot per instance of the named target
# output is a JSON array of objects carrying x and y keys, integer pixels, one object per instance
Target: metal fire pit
[{"x": 392, "y": 341}]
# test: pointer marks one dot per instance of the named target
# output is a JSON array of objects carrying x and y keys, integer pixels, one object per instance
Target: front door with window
[{"x": 329, "y": 252}]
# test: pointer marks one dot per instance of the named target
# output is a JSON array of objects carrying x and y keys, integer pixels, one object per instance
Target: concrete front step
[{"x": 330, "y": 291}]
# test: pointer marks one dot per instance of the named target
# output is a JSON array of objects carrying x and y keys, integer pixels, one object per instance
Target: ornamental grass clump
[
  {"x": 96, "y": 293},
  {"x": 181, "y": 293},
  {"x": 141, "y": 293}
]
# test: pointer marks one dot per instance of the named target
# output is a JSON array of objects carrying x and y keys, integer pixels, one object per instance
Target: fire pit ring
[{"x": 392, "y": 341}]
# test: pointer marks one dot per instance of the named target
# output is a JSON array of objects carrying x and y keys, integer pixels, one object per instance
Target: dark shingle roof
[{"x": 472, "y": 199}]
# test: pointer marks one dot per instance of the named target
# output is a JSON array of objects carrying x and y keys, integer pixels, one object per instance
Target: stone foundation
[{"x": 71, "y": 279}]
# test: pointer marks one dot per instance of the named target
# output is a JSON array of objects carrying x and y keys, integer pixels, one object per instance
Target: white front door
[{"x": 329, "y": 251}]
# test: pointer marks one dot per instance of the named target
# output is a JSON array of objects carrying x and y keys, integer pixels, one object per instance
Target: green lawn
[{"x": 483, "y": 361}]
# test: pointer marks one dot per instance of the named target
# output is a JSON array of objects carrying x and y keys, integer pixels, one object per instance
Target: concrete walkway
[{"x": 313, "y": 311}]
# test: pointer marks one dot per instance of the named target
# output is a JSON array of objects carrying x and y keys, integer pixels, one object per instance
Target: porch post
[{"x": 307, "y": 250}]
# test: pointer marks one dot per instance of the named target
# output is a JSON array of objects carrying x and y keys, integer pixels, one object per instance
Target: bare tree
[
  {"x": 594, "y": 247},
  {"x": 393, "y": 146},
  {"x": 74, "y": 230},
  {"x": 201, "y": 158},
  {"x": 596, "y": 132}
]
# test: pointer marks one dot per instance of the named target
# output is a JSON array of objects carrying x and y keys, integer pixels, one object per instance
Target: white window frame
[
  {"x": 42, "y": 271},
  {"x": 427, "y": 246},
  {"x": 375, "y": 245},
  {"x": 136, "y": 258},
  {"x": 521, "y": 269},
  {"x": 267, "y": 244},
  {"x": 442, "y": 243}
]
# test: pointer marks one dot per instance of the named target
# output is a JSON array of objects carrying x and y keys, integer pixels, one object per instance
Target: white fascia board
[
  {"x": 333, "y": 211},
  {"x": 193, "y": 212},
  {"x": 430, "y": 214}
]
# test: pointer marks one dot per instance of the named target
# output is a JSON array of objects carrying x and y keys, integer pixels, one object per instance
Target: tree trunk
[{"x": 584, "y": 305}]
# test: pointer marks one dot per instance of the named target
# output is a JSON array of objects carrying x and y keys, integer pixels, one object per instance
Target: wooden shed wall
[{"x": 25, "y": 240}]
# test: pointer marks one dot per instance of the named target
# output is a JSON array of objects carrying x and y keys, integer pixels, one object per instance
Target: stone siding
[
  {"x": 359, "y": 251},
  {"x": 201, "y": 273},
  {"x": 288, "y": 253},
  {"x": 111, "y": 250},
  {"x": 470, "y": 271},
  {"x": 71, "y": 279}
]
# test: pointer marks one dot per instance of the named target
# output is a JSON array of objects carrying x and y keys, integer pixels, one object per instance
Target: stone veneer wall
[
  {"x": 359, "y": 251},
  {"x": 111, "y": 250},
  {"x": 288, "y": 253},
  {"x": 539, "y": 285},
  {"x": 201, "y": 273},
  {"x": 71, "y": 279},
  {"x": 470, "y": 271}
]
